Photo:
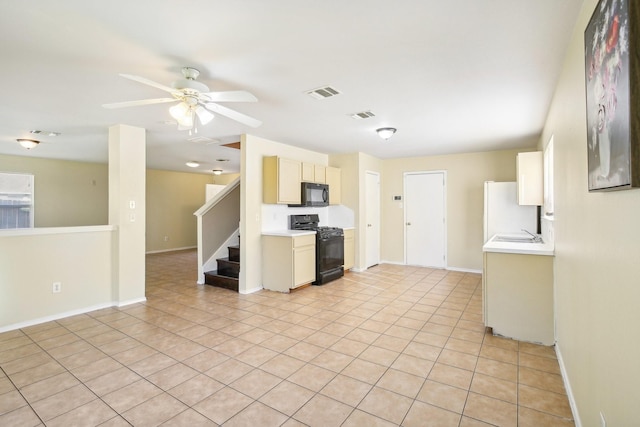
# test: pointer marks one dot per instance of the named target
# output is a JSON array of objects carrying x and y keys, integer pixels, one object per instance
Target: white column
[{"x": 127, "y": 169}]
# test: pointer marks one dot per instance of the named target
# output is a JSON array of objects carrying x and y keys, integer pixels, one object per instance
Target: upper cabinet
[
  {"x": 281, "y": 180},
  {"x": 334, "y": 181},
  {"x": 308, "y": 172},
  {"x": 530, "y": 181},
  {"x": 319, "y": 174}
]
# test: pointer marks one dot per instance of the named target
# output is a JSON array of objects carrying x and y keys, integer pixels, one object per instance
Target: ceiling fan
[{"x": 195, "y": 100}]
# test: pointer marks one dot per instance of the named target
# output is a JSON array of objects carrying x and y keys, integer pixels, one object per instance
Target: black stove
[{"x": 329, "y": 246}]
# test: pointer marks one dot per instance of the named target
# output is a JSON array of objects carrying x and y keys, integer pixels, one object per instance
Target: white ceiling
[{"x": 452, "y": 76}]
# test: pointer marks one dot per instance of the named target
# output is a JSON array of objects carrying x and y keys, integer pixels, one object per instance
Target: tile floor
[{"x": 391, "y": 346}]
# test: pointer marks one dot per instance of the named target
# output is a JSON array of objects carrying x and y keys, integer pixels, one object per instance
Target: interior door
[
  {"x": 425, "y": 219},
  {"x": 372, "y": 193}
]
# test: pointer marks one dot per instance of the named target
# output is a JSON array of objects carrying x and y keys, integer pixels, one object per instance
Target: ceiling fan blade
[
  {"x": 149, "y": 82},
  {"x": 232, "y": 114},
  {"x": 230, "y": 96},
  {"x": 139, "y": 102}
]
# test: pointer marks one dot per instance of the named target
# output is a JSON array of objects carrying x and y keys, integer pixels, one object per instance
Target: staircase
[{"x": 226, "y": 276}]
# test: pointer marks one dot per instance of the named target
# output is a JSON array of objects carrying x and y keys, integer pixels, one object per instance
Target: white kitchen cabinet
[
  {"x": 333, "y": 180},
  {"x": 288, "y": 261},
  {"x": 349, "y": 248},
  {"x": 529, "y": 169},
  {"x": 281, "y": 180},
  {"x": 518, "y": 296}
]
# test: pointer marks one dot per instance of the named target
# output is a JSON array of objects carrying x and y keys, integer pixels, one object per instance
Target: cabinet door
[
  {"x": 304, "y": 265},
  {"x": 319, "y": 174},
  {"x": 349, "y": 249},
  {"x": 530, "y": 181},
  {"x": 288, "y": 181},
  {"x": 333, "y": 178},
  {"x": 308, "y": 172}
]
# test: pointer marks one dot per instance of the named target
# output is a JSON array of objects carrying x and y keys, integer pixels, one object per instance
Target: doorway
[
  {"x": 425, "y": 226},
  {"x": 372, "y": 214}
]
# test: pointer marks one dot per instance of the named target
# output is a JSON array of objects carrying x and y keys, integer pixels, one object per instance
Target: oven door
[{"x": 329, "y": 253}]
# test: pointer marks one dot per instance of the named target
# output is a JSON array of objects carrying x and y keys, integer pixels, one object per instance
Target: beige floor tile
[
  {"x": 287, "y": 397},
  {"x": 346, "y": 390},
  {"x": 228, "y": 371},
  {"x": 544, "y": 401},
  {"x": 413, "y": 365},
  {"x": 364, "y": 371},
  {"x": 349, "y": 347},
  {"x": 431, "y": 339},
  {"x": 504, "y": 343},
  {"x": 23, "y": 417},
  {"x": 172, "y": 376},
  {"x": 423, "y": 351},
  {"x": 257, "y": 414},
  {"x": 498, "y": 353},
  {"x": 531, "y": 418},
  {"x": 256, "y": 356},
  {"x": 131, "y": 395},
  {"x": 443, "y": 396},
  {"x": 96, "y": 369},
  {"x": 8, "y": 354},
  {"x": 379, "y": 355},
  {"x": 256, "y": 383},
  {"x": 537, "y": 350},
  {"x": 189, "y": 418},
  {"x": 495, "y": 368},
  {"x": 495, "y": 387},
  {"x": 401, "y": 382},
  {"x": 323, "y": 411},
  {"x": 459, "y": 360},
  {"x": 222, "y": 405},
  {"x": 540, "y": 363},
  {"x": 541, "y": 380},
  {"x": 282, "y": 365},
  {"x": 155, "y": 411},
  {"x": 492, "y": 411},
  {"x": 450, "y": 375},
  {"x": 60, "y": 403},
  {"x": 11, "y": 401},
  {"x": 386, "y": 404},
  {"x": 93, "y": 413},
  {"x": 304, "y": 351},
  {"x": 112, "y": 381},
  {"x": 206, "y": 360},
  {"x": 278, "y": 343},
  {"x": 423, "y": 412},
  {"x": 49, "y": 386},
  {"x": 312, "y": 377},
  {"x": 38, "y": 373},
  {"x": 470, "y": 422},
  {"x": 152, "y": 364},
  {"x": 332, "y": 360},
  {"x": 359, "y": 418}
]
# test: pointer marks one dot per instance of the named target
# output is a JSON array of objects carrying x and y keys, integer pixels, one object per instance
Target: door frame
[
  {"x": 444, "y": 201},
  {"x": 379, "y": 213}
]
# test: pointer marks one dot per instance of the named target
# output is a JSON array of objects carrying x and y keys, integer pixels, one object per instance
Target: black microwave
[{"x": 313, "y": 194}]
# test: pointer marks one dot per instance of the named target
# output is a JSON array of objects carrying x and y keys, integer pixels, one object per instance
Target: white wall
[{"x": 597, "y": 273}]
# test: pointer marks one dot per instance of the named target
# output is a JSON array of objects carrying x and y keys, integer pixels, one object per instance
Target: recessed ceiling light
[
  {"x": 217, "y": 171},
  {"x": 192, "y": 164},
  {"x": 44, "y": 132},
  {"x": 222, "y": 160}
]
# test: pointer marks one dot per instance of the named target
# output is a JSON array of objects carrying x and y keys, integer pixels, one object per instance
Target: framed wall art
[{"x": 612, "y": 77}]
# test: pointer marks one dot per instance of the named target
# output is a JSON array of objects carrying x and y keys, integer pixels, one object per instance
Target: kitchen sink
[{"x": 517, "y": 239}]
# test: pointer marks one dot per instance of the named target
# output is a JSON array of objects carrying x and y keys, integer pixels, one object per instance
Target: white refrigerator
[{"x": 503, "y": 214}]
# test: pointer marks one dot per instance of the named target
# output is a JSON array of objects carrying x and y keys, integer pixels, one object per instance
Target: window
[{"x": 16, "y": 200}]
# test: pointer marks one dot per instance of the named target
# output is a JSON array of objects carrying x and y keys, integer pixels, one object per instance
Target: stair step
[
  {"x": 212, "y": 278},
  {"x": 234, "y": 253},
  {"x": 228, "y": 268}
]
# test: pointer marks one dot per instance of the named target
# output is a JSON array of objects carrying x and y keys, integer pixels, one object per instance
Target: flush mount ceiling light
[
  {"x": 28, "y": 143},
  {"x": 192, "y": 164},
  {"x": 217, "y": 171},
  {"x": 386, "y": 133},
  {"x": 44, "y": 132}
]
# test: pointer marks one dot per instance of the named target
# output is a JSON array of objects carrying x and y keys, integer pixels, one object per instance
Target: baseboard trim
[
  {"x": 567, "y": 387},
  {"x": 250, "y": 291},
  {"x": 171, "y": 250},
  {"x": 464, "y": 270},
  {"x": 56, "y": 316},
  {"x": 129, "y": 302}
]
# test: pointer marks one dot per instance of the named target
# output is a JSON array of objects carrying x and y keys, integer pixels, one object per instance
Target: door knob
[
  {"x": 408, "y": 223},
  {"x": 368, "y": 225}
]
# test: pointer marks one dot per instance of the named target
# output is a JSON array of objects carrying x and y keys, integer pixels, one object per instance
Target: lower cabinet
[
  {"x": 349, "y": 249},
  {"x": 518, "y": 296},
  {"x": 288, "y": 261}
]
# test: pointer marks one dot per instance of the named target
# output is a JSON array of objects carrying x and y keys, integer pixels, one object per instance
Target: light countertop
[
  {"x": 288, "y": 233},
  {"x": 545, "y": 248}
]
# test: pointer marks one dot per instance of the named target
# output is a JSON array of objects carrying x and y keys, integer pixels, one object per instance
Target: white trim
[
  {"x": 55, "y": 230},
  {"x": 567, "y": 387},
  {"x": 251, "y": 291},
  {"x": 129, "y": 302},
  {"x": 464, "y": 270},
  {"x": 171, "y": 250},
  {"x": 57, "y": 316}
]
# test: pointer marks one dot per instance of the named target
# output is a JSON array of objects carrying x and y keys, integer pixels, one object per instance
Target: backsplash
[{"x": 276, "y": 217}]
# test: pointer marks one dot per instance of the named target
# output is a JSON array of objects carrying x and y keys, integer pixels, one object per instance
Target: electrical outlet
[
  {"x": 166, "y": 238},
  {"x": 603, "y": 422},
  {"x": 56, "y": 287}
]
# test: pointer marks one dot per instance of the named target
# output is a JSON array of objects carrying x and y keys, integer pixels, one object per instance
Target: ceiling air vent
[
  {"x": 203, "y": 140},
  {"x": 363, "y": 115},
  {"x": 323, "y": 92}
]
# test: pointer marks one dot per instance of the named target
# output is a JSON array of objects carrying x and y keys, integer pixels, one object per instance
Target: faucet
[{"x": 535, "y": 237}]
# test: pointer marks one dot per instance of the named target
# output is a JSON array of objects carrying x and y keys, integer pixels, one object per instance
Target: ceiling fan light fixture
[
  {"x": 204, "y": 115},
  {"x": 217, "y": 171},
  {"x": 386, "y": 133},
  {"x": 192, "y": 164},
  {"x": 28, "y": 143},
  {"x": 179, "y": 111}
]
